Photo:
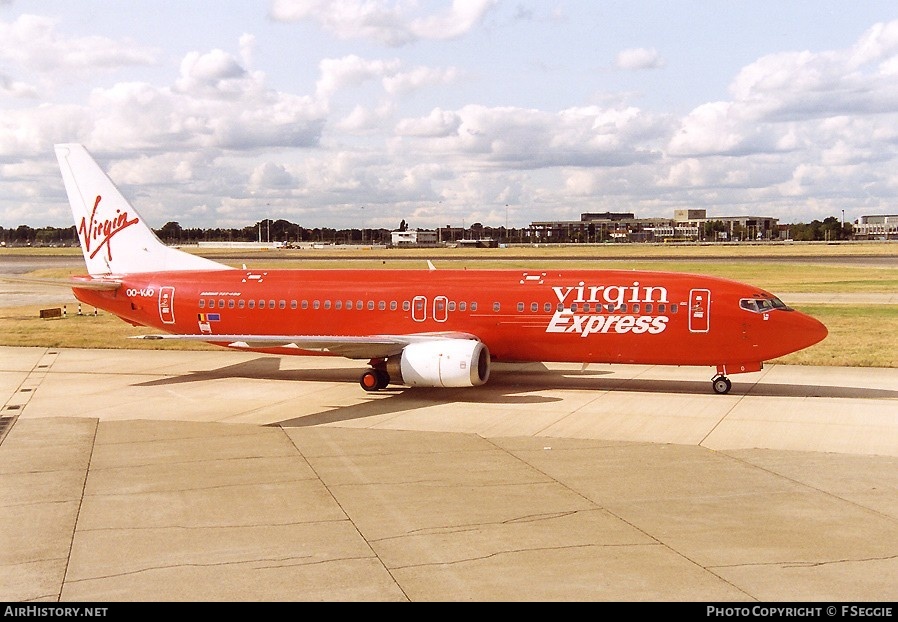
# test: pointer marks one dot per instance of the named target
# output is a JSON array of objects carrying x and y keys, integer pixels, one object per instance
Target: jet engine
[{"x": 441, "y": 363}]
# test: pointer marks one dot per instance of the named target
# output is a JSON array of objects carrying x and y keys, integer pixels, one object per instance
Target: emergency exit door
[{"x": 699, "y": 310}]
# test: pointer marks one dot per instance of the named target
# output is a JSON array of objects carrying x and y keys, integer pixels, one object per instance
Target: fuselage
[{"x": 609, "y": 316}]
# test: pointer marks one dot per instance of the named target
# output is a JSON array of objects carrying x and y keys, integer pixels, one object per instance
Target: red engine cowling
[{"x": 441, "y": 363}]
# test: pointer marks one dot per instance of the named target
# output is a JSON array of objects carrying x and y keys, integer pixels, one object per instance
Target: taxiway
[{"x": 225, "y": 476}]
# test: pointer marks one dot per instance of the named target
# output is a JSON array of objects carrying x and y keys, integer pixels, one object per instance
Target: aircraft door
[
  {"x": 166, "y": 304},
  {"x": 699, "y": 310}
]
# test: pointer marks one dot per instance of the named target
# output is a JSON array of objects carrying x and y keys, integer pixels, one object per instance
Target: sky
[{"x": 364, "y": 113}]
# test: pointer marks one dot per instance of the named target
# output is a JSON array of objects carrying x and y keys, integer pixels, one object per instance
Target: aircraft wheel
[
  {"x": 721, "y": 385},
  {"x": 370, "y": 380},
  {"x": 383, "y": 378},
  {"x": 374, "y": 380}
]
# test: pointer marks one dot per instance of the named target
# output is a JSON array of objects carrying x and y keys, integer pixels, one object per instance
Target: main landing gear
[
  {"x": 721, "y": 384},
  {"x": 374, "y": 379}
]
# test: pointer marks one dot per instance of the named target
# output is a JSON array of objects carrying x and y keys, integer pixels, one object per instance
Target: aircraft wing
[{"x": 361, "y": 347}]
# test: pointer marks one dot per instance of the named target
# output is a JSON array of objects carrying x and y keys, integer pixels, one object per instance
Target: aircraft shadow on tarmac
[{"x": 509, "y": 384}]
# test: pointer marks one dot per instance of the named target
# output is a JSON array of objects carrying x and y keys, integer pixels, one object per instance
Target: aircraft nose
[{"x": 812, "y": 330}]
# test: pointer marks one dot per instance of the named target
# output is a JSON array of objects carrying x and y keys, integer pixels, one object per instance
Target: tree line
[{"x": 284, "y": 231}]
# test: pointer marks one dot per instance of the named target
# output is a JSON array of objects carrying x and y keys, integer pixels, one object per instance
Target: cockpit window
[{"x": 763, "y": 305}]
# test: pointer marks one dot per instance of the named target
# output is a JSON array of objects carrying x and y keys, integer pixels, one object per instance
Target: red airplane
[{"x": 432, "y": 328}]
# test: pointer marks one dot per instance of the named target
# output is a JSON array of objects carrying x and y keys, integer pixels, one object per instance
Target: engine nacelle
[{"x": 441, "y": 363}]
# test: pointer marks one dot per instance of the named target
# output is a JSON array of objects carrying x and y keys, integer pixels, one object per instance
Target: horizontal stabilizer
[
  {"x": 99, "y": 284},
  {"x": 78, "y": 282}
]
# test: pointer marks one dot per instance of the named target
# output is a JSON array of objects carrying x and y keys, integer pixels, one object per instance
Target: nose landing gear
[{"x": 721, "y": 384}]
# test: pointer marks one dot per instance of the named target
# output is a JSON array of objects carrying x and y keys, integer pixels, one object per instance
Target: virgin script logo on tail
[{"x": 102, "y": 231}]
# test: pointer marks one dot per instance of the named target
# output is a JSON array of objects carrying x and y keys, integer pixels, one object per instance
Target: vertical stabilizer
[{"x": 114, "y": 238}]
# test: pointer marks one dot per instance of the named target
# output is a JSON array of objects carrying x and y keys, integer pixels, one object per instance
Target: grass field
[{"x": 859, "y": 335}]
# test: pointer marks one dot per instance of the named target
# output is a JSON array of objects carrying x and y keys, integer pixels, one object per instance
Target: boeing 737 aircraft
[{"x": 430, "y": 328}]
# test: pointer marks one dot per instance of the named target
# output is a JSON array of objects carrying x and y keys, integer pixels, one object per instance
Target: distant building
[
  {"x": 592, "y": 227},
  {"x": 691, "y": 223},
  {"x": 881, "y": 227},
  {"x": 478, "y": 243},
  {"x": 413, "y": 237},
  {"x": 687, "y": 224}
]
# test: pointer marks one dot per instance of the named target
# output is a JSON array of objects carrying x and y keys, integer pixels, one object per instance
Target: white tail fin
[{"x": 114, "y": 238}]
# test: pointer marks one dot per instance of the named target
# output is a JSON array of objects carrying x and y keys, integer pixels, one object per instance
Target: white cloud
[
  {"x": 270, "y": 175},
  {"x": 247, "y": 49},
  {"x": 17, "y": 89},
  {"x": 638, "y": 58},
  {"x": 526, "y": 138},
  {"x": 390, "y": 22},
  {"x": 419, "y": 77},
  {"x": 364, "y": 120},
  {"x": 33, "y": 43},
  {"x": 437, "y": 123},
  {"x": 350, "y": 71},
  {"x": 214, "y": 73},
  {"x": 799, "y": 130}
]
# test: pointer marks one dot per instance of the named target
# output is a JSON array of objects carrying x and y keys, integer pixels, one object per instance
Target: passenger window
[
  {"x": 547, "y": 307},
  {"x": 241, "y": 303},
  {"x": 252, "y": 304},
  {"x": 221, "y": 303},
  {"x": 406, "y": 305},
  {"x": 662, "y": 308},
  {"x": 452, "y": 305},
  {"x": 520, "y": 307},
  {"x": 381, "y": 306},
  {"x": 305, "y": 304},
  {"x": 497, "y": 307},
  {"x": 292, "y": 304},
  {"x": 648, "y": 307},
  {"x": 261, "y": 304},
  {"x": 674, "y": 308},
  {"x": 316, "y": 304},
  {"x": 462, "y": 306},
  {"x": 371, "y": 305},
  {"x": 327, "y": 305},
  {"x": 473, "y": 307},
  {"x": 393, "y": 305},
  {"x": 271, "y": 304},
  {"x": 202, "y": 303},
  {"x": 635, "y": 307},
  {"x": 534, "y": 307},
  {"x": 338, "y": 304},
  {"x": 349, "y": 305},
  {"x": 359, "y": 305},
  {"x": 230, "y": 304}
]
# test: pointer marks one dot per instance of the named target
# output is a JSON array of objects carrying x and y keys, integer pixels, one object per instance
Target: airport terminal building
[
  {"x": 879, "y": 227},
  {"x": 687, "y": 224}
]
